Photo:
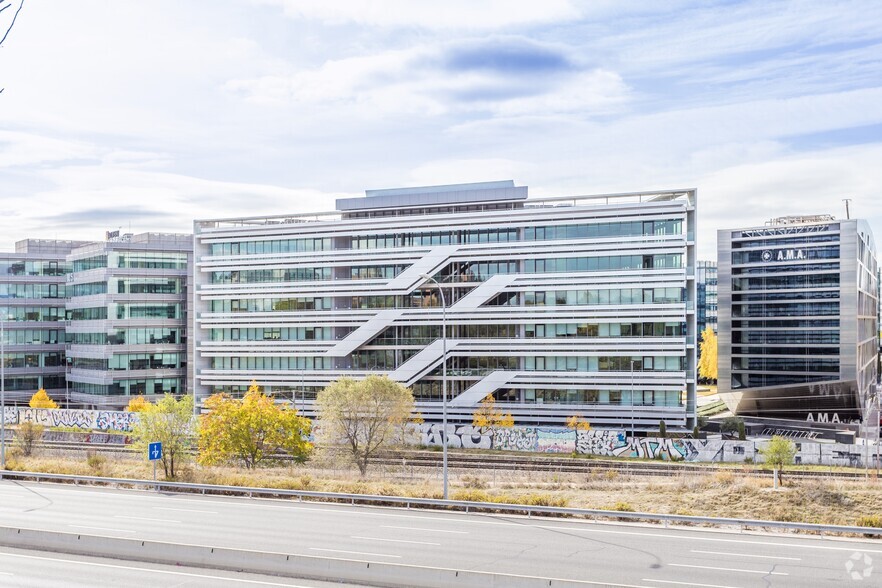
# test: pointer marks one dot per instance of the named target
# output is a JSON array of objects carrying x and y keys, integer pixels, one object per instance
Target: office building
[
  {"x": 32, "y": 285},
  {"x": 555, "y": 306},
  {"x": 126, "y": 318},
  {"x": 706, "y": 296},
  {"x": 798, "y": 322}
]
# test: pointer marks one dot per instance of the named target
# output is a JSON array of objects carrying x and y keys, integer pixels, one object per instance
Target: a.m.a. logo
[
  {"x": 823, "y": 417},
  {"x": 784, "y": 255}
]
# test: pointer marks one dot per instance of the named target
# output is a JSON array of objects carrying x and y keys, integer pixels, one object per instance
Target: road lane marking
[
  {"x": 152, "y": 570},
  {"x": 747, "y": 555},
  {"x": 686, "y": 583},
  {"x": 763, "y": 572},
  {"x": 185, "y": 510},
  {"x": 145, "y": 519},
  {"x": 103, "y": 529},
  {"x": 394, "y": 540},
  {"x": 355, "y": 552},
  {"x": 424, "y": 529}
]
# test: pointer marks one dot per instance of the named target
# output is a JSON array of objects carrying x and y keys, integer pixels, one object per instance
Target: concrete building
[
  {"x": 32, "y": 285},
  {"x": 555, "y": 306},
  {"x": 126, "y": 318},
  {"x": 798, "y": 322}
]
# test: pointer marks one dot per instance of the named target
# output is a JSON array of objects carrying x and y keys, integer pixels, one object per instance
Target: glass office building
[
  {"x": 32, "y": 286},
  {"x": 798, "y": 322},
  {"x": 706, "y": 296},
  {"x": 555, "y": 306},
  {"x": 126, "y": 318}
]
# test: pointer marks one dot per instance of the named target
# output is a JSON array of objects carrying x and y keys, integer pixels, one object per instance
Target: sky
[{"x": 145, "y": 115}]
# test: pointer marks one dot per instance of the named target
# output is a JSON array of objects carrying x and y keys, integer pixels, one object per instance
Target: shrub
[
  {"x": 623, "y": 507},
  {"x": 474, "y": 482},
  {"x": 873, "y": 520},
  {"x": 471, "y": 495},
  {"x": 27, "y": 436},
  {"x": 541, "y": 500},
  {"x": 96, "y": 462}
]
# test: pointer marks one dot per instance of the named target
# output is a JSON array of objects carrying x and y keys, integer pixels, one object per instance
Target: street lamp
[
  {"x": 443, "y": 378},
  {"x": 3, "y": 389},
  {"x": 632, "y": 399}
]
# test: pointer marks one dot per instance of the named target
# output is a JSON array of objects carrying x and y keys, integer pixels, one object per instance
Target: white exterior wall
[{"x": 470, "y": 309}]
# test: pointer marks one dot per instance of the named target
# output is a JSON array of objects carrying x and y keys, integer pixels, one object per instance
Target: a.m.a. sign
[{"x": 784, "y": 255}]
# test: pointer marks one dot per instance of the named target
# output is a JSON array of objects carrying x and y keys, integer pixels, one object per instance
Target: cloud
[{"x": 451, "y": 14}]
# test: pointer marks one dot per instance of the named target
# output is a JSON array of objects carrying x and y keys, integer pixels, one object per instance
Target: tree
[
  {"x": 578, "y": 423},
  {"x": 707, "y": 363},
  {"x": 170, "y": 422},
  {"x": 731, "y": 425},
  {"x": 363, "y": 415},
  {"x": 137, "y": 404},
  {"x": 662, "y": 429},
  {"x": 778, "y": 452},
  {"x": 26, "y": 437},
  {"x": 488, "y": 416},
  {"x": 250, "y": 430},
  {"x": 41, "y": 400}
]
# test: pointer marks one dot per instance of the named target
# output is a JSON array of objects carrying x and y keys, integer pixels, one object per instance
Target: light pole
[
  {"x": 632, "y": 399},
  {"x": 3, "y": 390},
  {"x": 443, "y": 379}
]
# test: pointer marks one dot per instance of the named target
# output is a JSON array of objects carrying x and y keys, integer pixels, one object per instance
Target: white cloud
[{"x": 450, "y": 14}]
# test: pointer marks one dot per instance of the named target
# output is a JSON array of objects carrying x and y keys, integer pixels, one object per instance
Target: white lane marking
[
  {"x": 151, "y": 570},
  {"x": 355, "y": 552},
  {"x": 103, "y": 529},
  {"x": 686, "y": 583},
  {"x": 185, "y": 510},
  {"x": 459, "y": 518},
  {"x": 393, "y": 540},
  {"x": 145, "y": 519},
  {"x": 763, "y": 572},
  {"x": 747, "y": 555},
  {"x": 424, "y": 529}
]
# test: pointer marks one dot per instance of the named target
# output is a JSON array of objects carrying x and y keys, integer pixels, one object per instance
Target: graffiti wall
[
  {"x": 465, "y": 436},
  {"x": 87, "y": 420}
]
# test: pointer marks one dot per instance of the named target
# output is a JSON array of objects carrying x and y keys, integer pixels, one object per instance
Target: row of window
[
  {"x": 476, "y": 271},
  {"x": 128, "y": 337},
  {"x": 130, "y": 387},
  {"x": 148, "y": 311},
  {"x": 788, "y": 350},
  {"x": 32, "y": 291},
  {"x": 780, "y": 364},
  {"x": 605, "y": 296},
  {"x": 34, "y": 360},
  {"x": 786, "y": 296},
  {"x": 786, "y": 268},
  {"x": 613, "y": 363},
  {"x": 273, "y": 246},
  {"x": 779, "y": 255},
  {"x": 134, "y": 260},
  {"x": 463, "y": 237},
  {"x": 33, "y": 336},
  {"x": 128, "y": 286},
  {"x": 614, "y": 229},
  {"x": 272, "y": 363},
  {"x": 300, "y": 274},
  {"x": 273, "y": 334},
  {"x": 786, "y": 337},
  {"x": 12, "y": 267},
  {"x": 786, "y": 310},
  {"x": 760, "y": 380},
  {"x": 46, "y": 382},
  {"x": 771, "y": 323},
  {"x": 603, "y": 263},
  {"x": 131, "y": 361},
  {"x": 270, "y": 304},
  {"x": 675, "y": 329},
  {"x": 786, "y": 282},
  {"x": 32, "y": 313},
  {"x": 790, "y": 240}
]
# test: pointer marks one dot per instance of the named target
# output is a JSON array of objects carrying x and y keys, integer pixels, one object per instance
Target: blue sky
[{"x": 149, "y": 114}]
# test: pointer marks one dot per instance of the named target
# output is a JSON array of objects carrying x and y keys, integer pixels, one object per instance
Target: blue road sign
[{"x": 154, "y": 451}]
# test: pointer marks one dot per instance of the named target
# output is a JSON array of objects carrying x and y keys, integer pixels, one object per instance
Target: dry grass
[{"x": 720, "y": 494}]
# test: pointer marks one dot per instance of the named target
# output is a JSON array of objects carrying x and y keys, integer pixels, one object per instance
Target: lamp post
[
  {"x": 632, "y": 399},
  {"x": 3, "y": 390},
  {"x": 443, "y": 379}
]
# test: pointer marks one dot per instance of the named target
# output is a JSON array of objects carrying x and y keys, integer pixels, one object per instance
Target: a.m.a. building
[
  {"x": 798, "y": 330},
  {"x": 556, "y": 306}
]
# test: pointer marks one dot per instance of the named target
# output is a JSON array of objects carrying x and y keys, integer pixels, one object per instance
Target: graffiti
[
  {"x": 516, "y": 439},
  {"x": 464, "y": 436},
  {"x": 555, "y": 440},
  {"x": 87, "y": 420},
  {"x": 91, "y": 438},
  {"x": 10, "y": 415},
  {"x": 599, "y": 442}
]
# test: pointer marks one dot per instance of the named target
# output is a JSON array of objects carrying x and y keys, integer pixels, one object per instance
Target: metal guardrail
[{"x": 460, "y": 505}]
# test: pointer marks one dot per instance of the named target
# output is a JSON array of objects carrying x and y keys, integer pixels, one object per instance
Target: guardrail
[{"x": 459, "y": 505}]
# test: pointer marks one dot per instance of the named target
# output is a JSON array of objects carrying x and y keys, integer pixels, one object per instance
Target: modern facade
[
  {"x": 555, "y": 306},
  {"x": 798, "y": 322},
  {"x": 32, "y": 285},
  {"x": 705, "y": 296},
  {"x": 126, "y": 318}
]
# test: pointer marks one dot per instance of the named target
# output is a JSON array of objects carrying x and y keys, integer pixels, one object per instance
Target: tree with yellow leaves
[
  {"x": 578, "y": 424},
  {"x": 707, "y": 363},
  {"x": 250, "y": 430},
  {"x": 41, "y": 400},
  {"x": 488, "y": 416},
  {"x": 137, "y": 404},
  {"x": 170, "y": 422},
  {"x": 363, "y": 415}
]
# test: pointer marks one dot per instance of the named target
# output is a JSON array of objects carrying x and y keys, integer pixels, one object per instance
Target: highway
[{"x": 616, "y": 554}]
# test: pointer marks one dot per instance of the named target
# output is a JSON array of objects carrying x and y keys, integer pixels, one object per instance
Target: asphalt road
[
  {"x": 605, "y": 553},
  {"x": 25, "y": 569}
]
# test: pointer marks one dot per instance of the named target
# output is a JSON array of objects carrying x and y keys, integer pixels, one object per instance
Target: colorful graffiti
[
  {"x": 516, "y": 439},
  {"x": 555, "y": 440},
  {"x": 87, "y": 420},
  {"x": 465, "y": 436}
]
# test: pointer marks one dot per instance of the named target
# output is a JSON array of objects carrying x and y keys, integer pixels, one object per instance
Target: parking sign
[{"x": 154, "y": 451}]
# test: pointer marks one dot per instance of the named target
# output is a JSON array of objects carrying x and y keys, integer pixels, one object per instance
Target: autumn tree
[
  {"x": 578, "y": 423},
  {"x": 41, "y": 400},
  {"x": 363, "y": 416},
  {"x": 488, "y": 416},
  {"x": 170, "y": 422},
  {"x": 778, "y": 453},
  {"x": 137, "y": 404},
  {"x": 707, "y": 363},
  {"x": 250, "y": 430},
  {"x": 26, "y": 437}
]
